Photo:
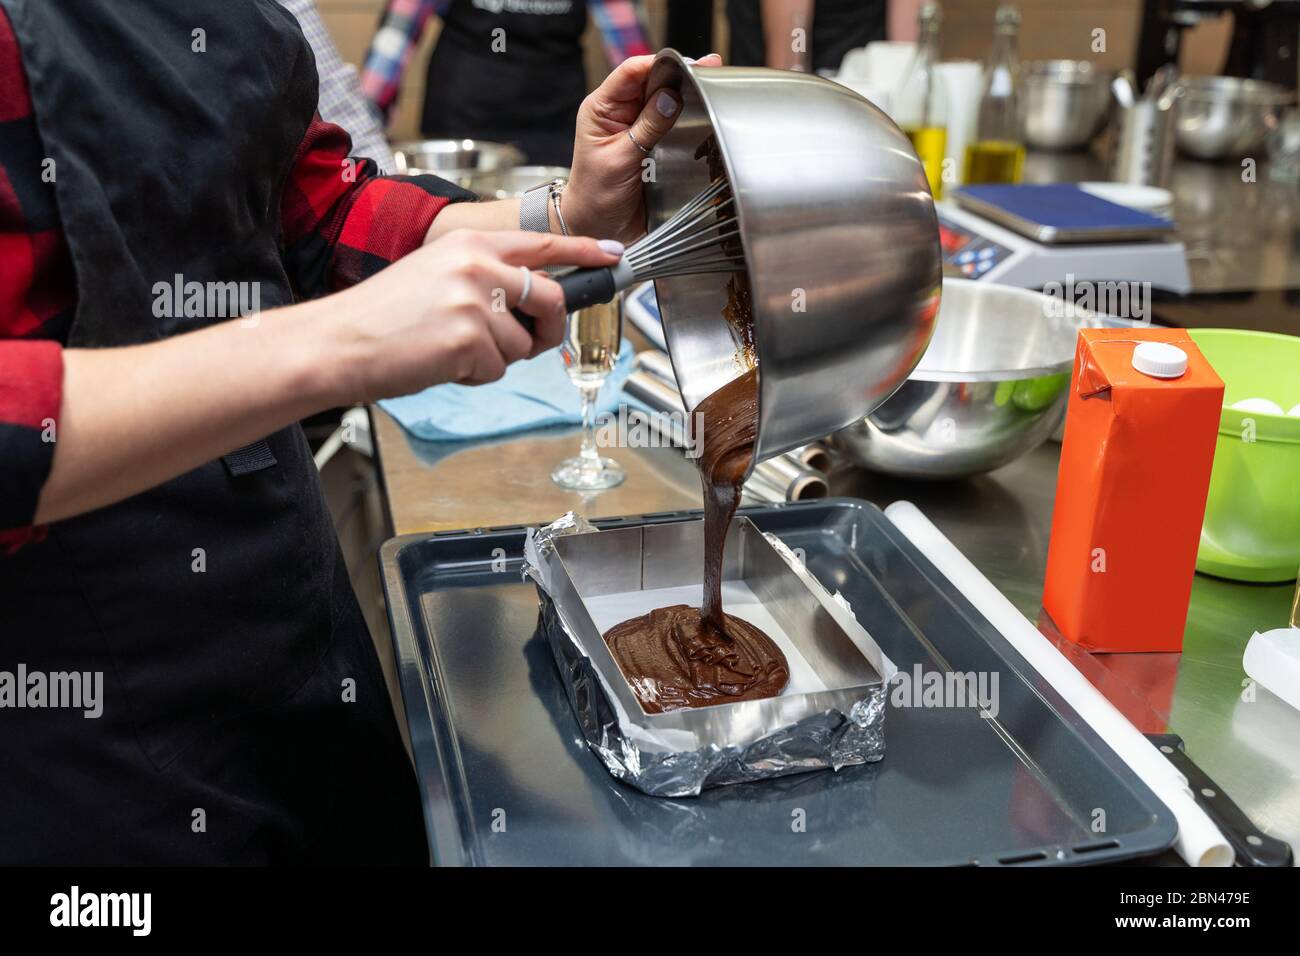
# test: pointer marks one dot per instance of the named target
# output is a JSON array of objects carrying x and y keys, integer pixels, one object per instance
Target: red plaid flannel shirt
[{"x": 336, "y": 232}]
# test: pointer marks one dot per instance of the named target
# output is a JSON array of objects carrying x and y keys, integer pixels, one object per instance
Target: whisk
[{"x": 701, "y": 237}]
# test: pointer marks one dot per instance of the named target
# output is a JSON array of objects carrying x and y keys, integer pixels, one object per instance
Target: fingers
[
  {"x": 656, "y": 119},
  {"x": 626, "y": 81},
  {"x": 539, "y": 249},
  {"x": 495, "y": 270},
  {"x": 485, "y": 364},
  {"x": 509, "y": 284},
  {"x": 545, "y": 304},
  {"x": 661, "y": 109}
]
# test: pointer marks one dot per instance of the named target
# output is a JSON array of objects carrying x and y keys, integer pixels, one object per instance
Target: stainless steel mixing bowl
[
  {"x": 839, "y": 233},
  {"x": 992, "y": 386},
  {"x": 1064, "y": 102},
  {"x": 1223, "y": 117},
  {"x": 458, "y": 160}
]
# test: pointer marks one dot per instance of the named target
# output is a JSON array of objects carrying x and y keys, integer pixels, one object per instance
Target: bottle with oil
[
  {"x": 921, "y": 100},
  {"x": 997, "y": 154}
]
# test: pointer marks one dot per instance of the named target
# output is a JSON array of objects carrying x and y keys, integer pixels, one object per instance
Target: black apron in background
[
  {"x": 217, "y": 606},
  {"x": 688, "y": 27},
  {"x": 838, "y": 27},
  {"x": 527, "y": 95}
]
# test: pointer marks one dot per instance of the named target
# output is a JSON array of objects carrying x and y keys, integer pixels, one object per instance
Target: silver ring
[
  {"x": 635, "y": 143},
  {"x": 528, "y": 286}
]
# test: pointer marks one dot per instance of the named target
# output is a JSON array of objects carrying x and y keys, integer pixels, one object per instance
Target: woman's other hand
[{"x": 603, "y": 197}]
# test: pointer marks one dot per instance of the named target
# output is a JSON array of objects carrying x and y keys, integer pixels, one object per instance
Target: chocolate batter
[
  {"x": 739, "y": 315},
  {"x": 729, "y": 421},
  {"x": 739, "y": 309},
  {"x": 674, "y": 660},
  {"x": 681, "y": 656}
]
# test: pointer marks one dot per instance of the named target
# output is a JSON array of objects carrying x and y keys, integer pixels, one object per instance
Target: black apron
[
  {"x": 245, "y": 717},
  {"x": 838, "y": 27},
  {"x": 527, "y": 94}
]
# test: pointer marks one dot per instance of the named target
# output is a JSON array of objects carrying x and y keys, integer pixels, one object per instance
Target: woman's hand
[
  {"x": 136, "y": 416},
  {"x": 603, "y": 197},
  {"x": 443, "y": 313}
]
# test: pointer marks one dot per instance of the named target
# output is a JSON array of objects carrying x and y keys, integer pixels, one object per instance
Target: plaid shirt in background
[
  {"x": 404, "y": 21},
  {"x": 335, "y": 233},
  {"x": 341, "y": 100}
]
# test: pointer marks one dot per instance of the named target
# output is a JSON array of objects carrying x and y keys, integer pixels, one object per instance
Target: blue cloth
[{"x": 534, "y": 393}]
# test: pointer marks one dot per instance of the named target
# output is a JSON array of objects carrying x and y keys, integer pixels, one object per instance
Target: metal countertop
[
  {"x": 1243, "y": 254},
  {"x": 1001, "y": 521}
]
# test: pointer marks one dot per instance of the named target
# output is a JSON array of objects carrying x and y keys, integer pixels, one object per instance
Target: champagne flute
[{"x": 592, "y": 337}]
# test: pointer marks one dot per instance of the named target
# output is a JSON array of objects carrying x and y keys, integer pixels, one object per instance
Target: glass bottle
[
  {"x": 921, "y": 101},
  {"x": 997, "y": 154}
]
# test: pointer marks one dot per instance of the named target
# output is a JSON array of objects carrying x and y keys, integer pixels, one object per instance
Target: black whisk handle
[{"x": 584, "y": 287}]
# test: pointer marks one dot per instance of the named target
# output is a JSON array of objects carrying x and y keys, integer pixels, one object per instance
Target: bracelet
[
  {"x": 556, "y": 191},
  {"x": 535, "y": 205}
]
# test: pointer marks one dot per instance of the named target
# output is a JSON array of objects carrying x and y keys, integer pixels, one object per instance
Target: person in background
[
  {"x": 502, "y": 71},
  {"x": 903, "y": 17},
  {"x": 341, "y": 100},
  {"x": 688, "y": 27},
  {"x": 763, "y": 32}
]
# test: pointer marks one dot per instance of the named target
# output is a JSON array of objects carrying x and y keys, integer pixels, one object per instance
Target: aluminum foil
[{"x": 657, "y": 763}]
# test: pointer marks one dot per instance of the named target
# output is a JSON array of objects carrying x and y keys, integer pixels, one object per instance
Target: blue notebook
[{"x": 1061, "y": 212}]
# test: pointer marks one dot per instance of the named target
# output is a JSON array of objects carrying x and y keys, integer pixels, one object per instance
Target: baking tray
[
  {"x": 831, "y": 712},
  {"x": 507, "y": 778}
]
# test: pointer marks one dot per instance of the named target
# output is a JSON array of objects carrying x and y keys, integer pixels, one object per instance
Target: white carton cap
[{"x": 1159, "y": 359}]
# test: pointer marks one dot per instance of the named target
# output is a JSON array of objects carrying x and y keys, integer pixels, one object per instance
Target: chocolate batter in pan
[{"x": 680, "y": 656}]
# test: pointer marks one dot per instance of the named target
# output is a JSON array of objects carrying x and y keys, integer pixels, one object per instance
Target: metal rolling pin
[
  {"x": 779, "y": 479},
  {"x": 814, "y": 455},
  {"x": 655, "y": 392},
  {"x": 657, "y": 364},
  {"x": 796, "y": 482}
]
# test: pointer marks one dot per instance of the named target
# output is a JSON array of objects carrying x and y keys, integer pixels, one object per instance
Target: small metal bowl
[
  {"x": 991, "y": 387},
  {"x": 505, "y": 183},
  {"x": 1222, "y": 117},
  {"x": 1064, "y": 103},
  {"x": 458, "y": 160}
]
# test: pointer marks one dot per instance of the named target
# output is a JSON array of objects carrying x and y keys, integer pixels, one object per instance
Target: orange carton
[{"x": 1140, "y": 429}]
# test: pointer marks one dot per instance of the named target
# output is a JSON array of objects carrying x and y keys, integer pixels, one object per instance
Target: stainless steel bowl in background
[
  {"x": 1223, "y": 117},
  {"x": 1064, "y": 102},
  {"x": 457, "y": 160},
  {"x": 505, "y": 183},
  {"x": 840, "y": 237},
  {"x": 991, "y": 387}
]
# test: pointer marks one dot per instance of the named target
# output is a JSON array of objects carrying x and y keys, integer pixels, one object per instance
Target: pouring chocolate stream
[{"x": 681, "y": 656}]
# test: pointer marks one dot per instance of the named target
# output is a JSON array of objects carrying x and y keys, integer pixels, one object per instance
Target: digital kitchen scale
[{"x": 1032, "y": 235}]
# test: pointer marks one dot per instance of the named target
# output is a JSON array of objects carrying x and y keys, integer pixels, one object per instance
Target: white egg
[
  {"x": 1295, "y": 411},
  {"x": 1260, "y": 406}
]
